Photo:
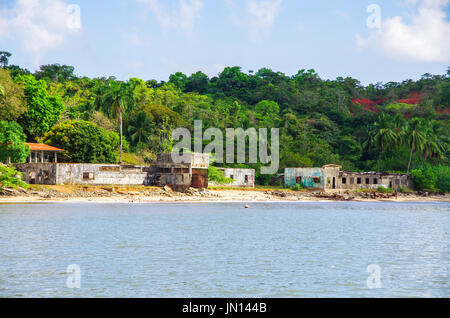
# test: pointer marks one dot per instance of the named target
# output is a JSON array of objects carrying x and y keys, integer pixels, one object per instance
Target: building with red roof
[{"x": 42, "y": 153}]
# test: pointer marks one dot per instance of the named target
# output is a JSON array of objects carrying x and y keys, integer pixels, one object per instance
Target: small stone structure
[
  {"x": 241, "y": 177},
  {"x": 194, "y": 172},
  {"x": 330, "y": 177}
]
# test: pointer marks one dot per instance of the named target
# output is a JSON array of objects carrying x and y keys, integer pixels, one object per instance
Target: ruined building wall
[
  {"x": 313, "y": 178},
  {"x": 38, "y": 173},
  {"x": 241, "y": 177},
  {"x": 101, "y": 174}
]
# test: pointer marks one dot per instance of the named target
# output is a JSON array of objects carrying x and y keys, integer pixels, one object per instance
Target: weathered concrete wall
[
  {"x": 332, "y": 178},
  {"x": 195, "y": 160},
  {"x": 164, "y": 173},
  {"x": 199, "y": 178},
  {"x": 241, "y": 177},
  {"x": 38, "y": 173},
  {"x": 357, "y": 181},
  {"x": 313, "y": 178},
  {"x": 171, "y": 179},
  {"x": 101, "y": 174},
  {"x": 332, "y": 173}
]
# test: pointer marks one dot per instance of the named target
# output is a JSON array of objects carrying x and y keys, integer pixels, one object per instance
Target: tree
[
  {"x": 266, "y": 113},
  {"x": 12, "y": 143},
  {"x": 119, "y": 98},
  {"x": 12, "y": 98},
  {"x": 84, "y": 142},
  {"x": 197, "y": 82},
  {"x": 16, "y": 70},
  {"x": 11, "y": 178},
  {"x": 139, "y": 129},
  {"x": 383, "y": 135},
  {"x": 233, "y": 82},
  {"x": 416, "y": 138},
  {"x": 425, "y": 179},
  {"x": 55, "y": 73},
  {"x": 179, "y": 80},
  {"x": 435, "y": 145},
  {"x": 4, "y": 58},
  {"x": 43, "y": 110}
]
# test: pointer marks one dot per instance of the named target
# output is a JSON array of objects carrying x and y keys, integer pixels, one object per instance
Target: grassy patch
[{"x": 133, "y": 159}]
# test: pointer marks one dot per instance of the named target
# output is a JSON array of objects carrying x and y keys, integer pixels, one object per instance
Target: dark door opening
[{"x": 334, "y": 183}]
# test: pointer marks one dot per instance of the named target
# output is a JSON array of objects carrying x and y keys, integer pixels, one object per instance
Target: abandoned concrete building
[
  {"x": 241, "y": 177},
  {"x": 192, "y": 173},
  {"x": 331, "y": 177}
]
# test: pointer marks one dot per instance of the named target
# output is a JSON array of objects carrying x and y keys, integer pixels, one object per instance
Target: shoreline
[{"x": 136, "y": 195}]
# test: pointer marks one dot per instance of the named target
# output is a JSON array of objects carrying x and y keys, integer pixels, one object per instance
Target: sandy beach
[{"x": 111, "y": 194}]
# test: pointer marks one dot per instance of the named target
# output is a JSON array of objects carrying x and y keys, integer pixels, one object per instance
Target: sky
[{"x": 372, "y": 41}]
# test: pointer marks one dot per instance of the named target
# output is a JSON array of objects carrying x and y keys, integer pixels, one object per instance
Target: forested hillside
[{"x": 398, "y": 127}]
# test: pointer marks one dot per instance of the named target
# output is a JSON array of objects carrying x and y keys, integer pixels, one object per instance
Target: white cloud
[
  {"x": 181, "y": 18},
  {"x": 262, "y": 16},
  {"x": 39, "y": 25},
  {"x": 258, "y": 18},
  {"x": 425, "y": 39}
]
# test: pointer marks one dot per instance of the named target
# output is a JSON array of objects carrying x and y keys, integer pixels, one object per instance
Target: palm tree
[
  {"x": 416, "y": 138},
  {"x": 383, "y": 135},
  {"x": 434, "y": 147},
  {"x": 118, "y": 98},
  {"x": 138, "y": 129}
]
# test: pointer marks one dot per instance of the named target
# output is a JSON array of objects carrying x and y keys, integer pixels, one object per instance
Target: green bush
[
  {"x": 403, "y": 190},
  {"x": 443, "y": 178},
  {"x": 12, "y": 143},
  {"x": 297, "y": 187},
  {"x": 385, "y": 190},
  {"x": 11, "y": 178},
  {"x": 425, "y": 179},
  {"x": 217, "y": 176},
  {"x": 432, "y": 178},
  {"x": 84, "y": 142}
]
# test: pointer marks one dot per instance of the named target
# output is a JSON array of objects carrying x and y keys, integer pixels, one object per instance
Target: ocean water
[{"x": 224, "y": 250}]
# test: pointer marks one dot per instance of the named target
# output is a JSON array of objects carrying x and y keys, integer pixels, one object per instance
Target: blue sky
[{"x": 152, "y": 39}]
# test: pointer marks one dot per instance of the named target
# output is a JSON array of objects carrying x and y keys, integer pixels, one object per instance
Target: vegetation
[
  {"x": 217, "y": 176},
  {"x": 12, "y": 98},
  {"x": 11, "y": 178},
  {"x": 84, "y": 142},
  {"x": 12, "y": 143},
  {"x": 297, "y": 187},
  {"x": 384, "y": 126},
  {"x": 43, "y": 110},
  {"x": 385, "y": 190},
  {"x": 432, "y": 178}
]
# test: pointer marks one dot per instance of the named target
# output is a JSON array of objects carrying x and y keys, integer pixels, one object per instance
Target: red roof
[{"x": 43, "y": 147}]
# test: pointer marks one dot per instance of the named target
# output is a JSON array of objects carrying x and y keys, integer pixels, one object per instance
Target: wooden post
[
  {"x": 56, "y": 157},
  {"x": 42, "y": 157}
]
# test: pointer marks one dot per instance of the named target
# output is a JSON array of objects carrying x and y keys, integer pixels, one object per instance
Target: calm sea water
[{"x": 224, "y": 250}]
